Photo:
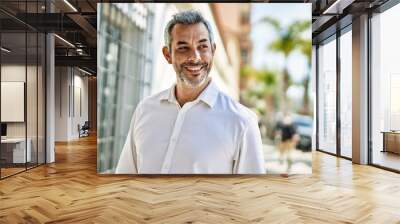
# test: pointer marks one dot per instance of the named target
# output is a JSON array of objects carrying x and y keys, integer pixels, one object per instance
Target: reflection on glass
[
  {"x": 31, "y": 99},
  {"x": 41, "y": 99},
  {"x": 327, "y": 96},
  {"x": 346, "y": 94}
]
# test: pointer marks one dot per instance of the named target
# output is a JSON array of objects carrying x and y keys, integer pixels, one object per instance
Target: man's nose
[{"x": 194, "y": 56}]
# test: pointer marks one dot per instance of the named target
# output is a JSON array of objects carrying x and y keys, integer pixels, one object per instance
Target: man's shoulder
[
  {"x": 154, "y": 99},
  {"x": 236, "y": 109}
]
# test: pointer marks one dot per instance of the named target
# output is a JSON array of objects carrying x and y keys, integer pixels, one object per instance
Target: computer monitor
[{"x": 3, "y": 129}]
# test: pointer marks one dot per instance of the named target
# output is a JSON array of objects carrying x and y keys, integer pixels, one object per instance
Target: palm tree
[
  {"x": 260, "y": 84},
  {"x": 259, "y": 88},
  {"x": 306, "y": 50},
  {"x": 289, "y": 39}
]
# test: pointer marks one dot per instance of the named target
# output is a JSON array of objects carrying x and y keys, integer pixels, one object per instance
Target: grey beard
[{"x": 192, "y": 84}]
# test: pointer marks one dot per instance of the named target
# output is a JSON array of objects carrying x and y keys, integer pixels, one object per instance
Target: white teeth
[{"x": 193, "y": 68}]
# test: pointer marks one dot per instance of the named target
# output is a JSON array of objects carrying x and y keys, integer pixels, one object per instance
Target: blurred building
[{"x": 235, "y": 32}]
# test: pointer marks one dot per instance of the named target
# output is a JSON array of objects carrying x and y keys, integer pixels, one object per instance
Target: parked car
[{"x": 304, "y": 126}]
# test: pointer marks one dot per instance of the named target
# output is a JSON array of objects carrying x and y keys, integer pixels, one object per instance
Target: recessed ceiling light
[
  {"x": 338, "y": 6},
  {"x": 86, "y": 72},
  {"x": 64, "y": 40},
  {"x": 5, "y": 50},
  {"x": 70, "y": 5}
]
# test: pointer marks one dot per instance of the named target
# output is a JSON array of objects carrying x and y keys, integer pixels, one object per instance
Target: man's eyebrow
[
  {"x": 203, "y": 40},
  {"x": 181, "y": 42}
]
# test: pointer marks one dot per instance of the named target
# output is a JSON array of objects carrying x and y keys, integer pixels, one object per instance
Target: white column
[
  {"x": 314, "y": 91},
  {"x": 50, "y": 105},
  {"x": 360, "y": 90}
]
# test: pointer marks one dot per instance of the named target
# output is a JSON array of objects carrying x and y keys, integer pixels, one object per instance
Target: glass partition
[
  {"x": 22, "y": 88},
  {"x": 41, "y": 91},
  {"x": 14, "y": 154},
  {"x": 31, "y": 99}
]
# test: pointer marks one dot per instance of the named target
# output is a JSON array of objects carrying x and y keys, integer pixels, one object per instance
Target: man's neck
[{"x": 186, "y": 94}]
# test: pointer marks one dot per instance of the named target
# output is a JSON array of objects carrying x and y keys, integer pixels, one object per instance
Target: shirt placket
[{"x": 174, "y": 137}]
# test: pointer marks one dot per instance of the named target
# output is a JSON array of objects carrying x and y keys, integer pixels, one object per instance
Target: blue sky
[{"x": 263, "y": 34}]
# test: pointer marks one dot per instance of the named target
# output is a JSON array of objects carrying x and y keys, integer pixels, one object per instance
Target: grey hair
[{"x": 186, "y": 17}]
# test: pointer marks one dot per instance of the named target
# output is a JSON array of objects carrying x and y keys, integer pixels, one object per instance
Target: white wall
[
  {"x": 61, "y": 103},
  {"x": 17, "y": 73},
  {"x": 79, "y": 117},
  {"x": 14, "y": 73},
  {"x": 33, "y": 126},
  {"x": 69, "y": 82}
]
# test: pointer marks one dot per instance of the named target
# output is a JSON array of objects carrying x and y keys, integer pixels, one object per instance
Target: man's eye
[
  {"x": 182, "y": 48},
  {"x": 203, "y": 46}
]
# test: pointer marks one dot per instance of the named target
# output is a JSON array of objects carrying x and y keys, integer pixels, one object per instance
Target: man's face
[{"x": 191, "y": 53}]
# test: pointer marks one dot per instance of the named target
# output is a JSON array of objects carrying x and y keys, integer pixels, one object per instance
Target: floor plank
[{"x": 70, "y": 191}]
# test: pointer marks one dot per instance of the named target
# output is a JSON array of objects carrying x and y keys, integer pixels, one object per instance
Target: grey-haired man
[{"x": 191, "y": 128}]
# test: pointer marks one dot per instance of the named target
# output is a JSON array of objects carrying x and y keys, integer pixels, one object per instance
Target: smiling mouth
[{"x": 194, "y": 69}]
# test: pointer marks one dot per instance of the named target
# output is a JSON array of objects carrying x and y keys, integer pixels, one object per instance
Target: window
[
  {"x": 327, "y": 96},
  {"x": 346, "y": 93},
  {"x": 125, "y": 63},
  {"x": 385, "y": 89}
]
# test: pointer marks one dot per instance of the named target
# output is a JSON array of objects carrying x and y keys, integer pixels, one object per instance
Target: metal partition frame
[
  {"x": 44, "y": 75},
  {"x": 340, "y": 30}
]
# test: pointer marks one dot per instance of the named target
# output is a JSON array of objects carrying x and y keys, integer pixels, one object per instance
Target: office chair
[{"x": 84, "y": 130}]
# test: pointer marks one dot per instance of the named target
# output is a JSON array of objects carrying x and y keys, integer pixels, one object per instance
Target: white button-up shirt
[{"x": 211, "y": 135}]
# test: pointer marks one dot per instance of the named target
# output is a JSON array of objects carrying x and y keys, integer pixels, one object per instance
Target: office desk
[
  {"x": 391, "y": 141},
  {"x": 13, "y": 150}
]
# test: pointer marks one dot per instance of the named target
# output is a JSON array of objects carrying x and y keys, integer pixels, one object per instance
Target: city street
[{"x": 301, "y": 161}]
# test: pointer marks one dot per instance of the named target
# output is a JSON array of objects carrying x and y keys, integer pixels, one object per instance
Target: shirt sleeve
[
  {"x": 250, "y": 156},
  {"x": 127, "y": 163}
]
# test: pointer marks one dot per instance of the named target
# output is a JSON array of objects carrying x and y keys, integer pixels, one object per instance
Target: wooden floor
[
  {"x": 10, "y": 171},
  {"x": 70, "y": 191}
]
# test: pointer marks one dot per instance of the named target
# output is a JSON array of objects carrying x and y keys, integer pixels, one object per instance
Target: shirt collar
[
  {"x": 208, "y": 96},
  {"x": 169, "y": 95}
]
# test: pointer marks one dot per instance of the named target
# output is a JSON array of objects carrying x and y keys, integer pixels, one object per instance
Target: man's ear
[
  {"x": 167, "y": 54},
  {"x": 213, "y": 48}
]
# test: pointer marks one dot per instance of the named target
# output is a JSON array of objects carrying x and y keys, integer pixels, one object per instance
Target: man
[
  {"x": 287, "y": 133},
  {"x": 191, "y": 128}
]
